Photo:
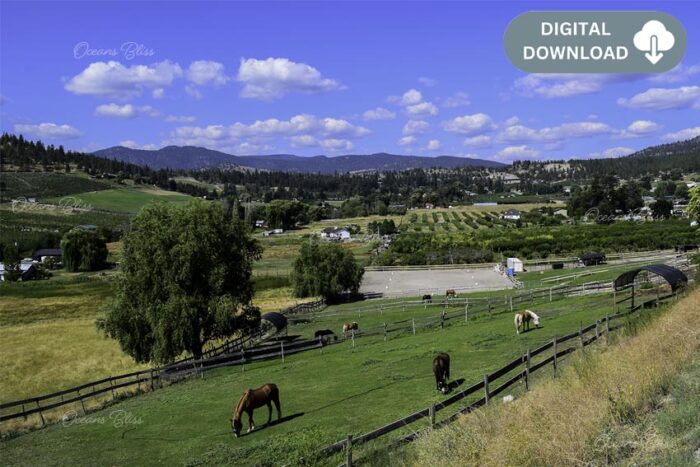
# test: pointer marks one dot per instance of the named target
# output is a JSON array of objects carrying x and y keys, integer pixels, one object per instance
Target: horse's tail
[{"x": 516, "y": 320}]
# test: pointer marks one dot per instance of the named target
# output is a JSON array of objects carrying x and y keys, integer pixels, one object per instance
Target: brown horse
[
  {"x": 251, "y": 400},
  {"x": 350, "y": 327},
  {"x": 441, "y": 370},
  {"x": 450, "y": 293}
]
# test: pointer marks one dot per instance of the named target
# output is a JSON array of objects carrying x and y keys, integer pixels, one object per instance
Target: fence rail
[{"x": 600, "y": 328}]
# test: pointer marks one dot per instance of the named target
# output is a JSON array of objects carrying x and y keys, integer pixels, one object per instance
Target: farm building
[
  {"x": 334, "y": 233},
  {"x": 28, "y": 271},
  {"x": 514, "y": 265},
  {"x": 511, "y": 215},
  {"x": 44, "y": 253},
  {"x": 259, "y": 224},
  {"x": 592, "y": 259},
  {"x": 561, "y": 212},
  {"x": 267, "y": 233}
]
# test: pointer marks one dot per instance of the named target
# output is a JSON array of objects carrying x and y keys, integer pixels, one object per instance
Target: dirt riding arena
[{"x": 399, "y": 283}]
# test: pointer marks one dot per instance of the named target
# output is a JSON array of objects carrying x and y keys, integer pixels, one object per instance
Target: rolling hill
[{"x": 192, "y": 157}]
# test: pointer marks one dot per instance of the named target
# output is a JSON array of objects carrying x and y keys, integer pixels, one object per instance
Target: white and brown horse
[
  {"x": 523, "y": 318},
  {"x": 251, "y": 400},
  {"x": 350, "y": 327},
  {"x": 451, "y": 293}
]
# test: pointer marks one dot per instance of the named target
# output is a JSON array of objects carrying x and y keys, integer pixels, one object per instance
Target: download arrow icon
[{"x": 654, "y": 56}]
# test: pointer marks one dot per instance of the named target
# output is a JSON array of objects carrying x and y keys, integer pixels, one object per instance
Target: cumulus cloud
[
  {"x": 158, "y": 93},
  {"x": 640, "y": 128},
  {"x": 333, "y": 144},
  {"x": 414, "y": 105},
  {"x": 682, "y": 135},
  {"x": 559, "y": 85},
  {"x": 407, "y": 141},
  {"x": 379, "y": 113},
  {"x": 481, "y": 141},
  {"x": 300, "y": 130},
  {"x": 522, "y": 134},
  {"x": 618, "y": 151},
  {"x": 514, "y": 152},
  {"x": 664, "y": 99},
  {"x": 206, "y": 72},
  {"x": 48, "y": 131},
  {"x": 411, "y": 97},
  {"x": 274, "y": 78},
  {"x": 469, "y": 124},
  {"x": 424, "y": 109},
  {"x": 125, "y": 111},
  {"x": 192, "y": 91},
  {"x": 179, "y": 119},
  {"x": 458, "y": 99},
  {"x": 415, "y": 127},
  {"x": 678, "y": 74},
  {"x": 433, "y": 145},
  {"x": 131, "y": 144},
  {"x": 112, "y": 79}
]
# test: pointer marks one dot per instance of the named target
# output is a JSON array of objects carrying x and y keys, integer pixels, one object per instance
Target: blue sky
[{"x": 325, "y": 78}]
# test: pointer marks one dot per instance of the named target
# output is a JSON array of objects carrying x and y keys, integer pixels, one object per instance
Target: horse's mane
[
  {"x": 239, "y": 406},
  {"x": 532, "y": 313}
]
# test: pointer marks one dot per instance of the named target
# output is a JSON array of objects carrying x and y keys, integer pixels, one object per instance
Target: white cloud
[
  {"x": 682, "y": 135},
  {"x": 678, "y": 74},
  {"x": 206, "y": 72},
  {"x": 411, "y": 97},
  {"x": 125, "y": 111},
  {"x": 664, "y": 99},
  {"x": 336, "y": 144},
  {"x": 48, "y": 131},
  {"x": 522, "y": 134},
  {"x": 433, "y": 145},
  {"x": 379, "y": 113},
  {"x": 330, "y": 144},
  {"x": 274, "y": 78},
  {"x": 428, "y": 82},
  {"x": 514, "y": 152},
  {"x": 424, "y": 109},
  {"x": 415, "y": 127},
  {"x": 407, "y": 141},
  {"x": 158, "y": 93},
  {"x": 193, "y": 92},
  {"x": 558, "y": 85},
  {"x": 640, "y": 128},
  {"x": 482, "y": 141},
  {"x": 469, "y": 124},
  {"x": 458, "y": 99},
  {"x": 131, "y": 144},
  {"x": 618, "y": 151},
  {"x": 179, "y": 119},
  {"x": 112, "y": 79},
  {"x": 300, "y": 130}
]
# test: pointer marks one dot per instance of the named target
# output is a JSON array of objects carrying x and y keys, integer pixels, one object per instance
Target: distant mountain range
[{"x": 192, "y": 157}]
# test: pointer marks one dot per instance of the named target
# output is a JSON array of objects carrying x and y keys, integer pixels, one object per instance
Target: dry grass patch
[{"x": 568, "y": 421}]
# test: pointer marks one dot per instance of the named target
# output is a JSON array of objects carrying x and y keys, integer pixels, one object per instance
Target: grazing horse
[
  {"x": 350, "y": 327},
  {"x": 450, "y": 293},
  {"x": 251, "y": 400},
  {"x": 522, "y": 320},
  {"x": 441, "y": 370},
  {"x": 325, "y": 335},
  {"x": 427, "y": 298}
]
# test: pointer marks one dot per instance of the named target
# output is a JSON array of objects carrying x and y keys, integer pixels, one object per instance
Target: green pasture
[
  {"x": 48, "y": 184},
  {"x": 326, "y": 394},
  {"x": 128, "y": 200}
]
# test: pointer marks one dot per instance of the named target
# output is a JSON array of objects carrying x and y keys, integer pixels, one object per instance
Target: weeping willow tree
[
  {"x": 325, "y": 269},
  {"x": 83, "y": 250}
]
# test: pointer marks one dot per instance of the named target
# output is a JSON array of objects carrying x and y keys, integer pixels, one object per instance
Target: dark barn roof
[
  {"x": 47, "y": 252},
  {"x": 277, "y": 319},
  {"x": 672, "y": 275},
  {"x": 592, "y": 256}
]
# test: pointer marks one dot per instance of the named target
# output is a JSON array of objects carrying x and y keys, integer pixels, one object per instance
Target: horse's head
[
  {"x": 236, "y": 427},
  {"x": 442, "y": 386},
  {"x": 536, "y": 320}
]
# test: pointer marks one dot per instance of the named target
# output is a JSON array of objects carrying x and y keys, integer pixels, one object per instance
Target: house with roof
[
  {"x": 511, "y": 215},
  {"x": 27, "y": 271},
  {"x": 43, "y": 254},
  {"x": 335, "y": 233}
]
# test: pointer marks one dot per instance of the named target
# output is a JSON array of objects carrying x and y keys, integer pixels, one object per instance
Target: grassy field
[
  {"x": 325, "y": 395},
  {"x": 49, "y": 184},
  {"x": 128, "y": 200}
]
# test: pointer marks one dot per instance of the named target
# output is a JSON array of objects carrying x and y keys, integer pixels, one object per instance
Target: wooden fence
[{"x": 519, "y": 369}]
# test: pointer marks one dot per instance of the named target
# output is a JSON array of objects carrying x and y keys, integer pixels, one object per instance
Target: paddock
[{"x": 402, "y": 283}]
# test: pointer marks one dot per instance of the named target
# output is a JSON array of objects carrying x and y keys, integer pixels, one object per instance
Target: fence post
[
  {"x": 489, "y": 305},
  {"x": 607, "y": 328},
  {"x": 82, "y": 404},
  {"x": 431, "y": 415},
  {"x": 384, "y": 331},
  {"x": 527, "y": 370},
  {"x": 111, "y": 385},
  {"x": 486, "y": 388},
  {"x": 580, "y": 335},
  {"x": 554, "y": 362},
  {"x": 597, "y": 330},
  {"x": 466, "y": 313},
  {"x": 511, "y": 303},
  {"x": 348, "y": 451},
  {"x": 550, "y": 294},
  {"x": 413, "y": 322},
  {"x": 41, "y": 414},
  {"x": 282, "y": 349},
  {"x": 442, "y": 319},
  {"x": 352, "y": 335}
]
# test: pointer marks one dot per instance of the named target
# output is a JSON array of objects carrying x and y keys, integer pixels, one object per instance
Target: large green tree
[
  {"x": 325, "y": 269},
  {"x": 83, "y": 250},
  {"x": 185, "y": 281},
  {"x": 694, "y": 203}
]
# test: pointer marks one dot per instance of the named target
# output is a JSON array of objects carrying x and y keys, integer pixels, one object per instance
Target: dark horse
[
  {"x": 427, "y": 298},
  {"x": 441, "y": 370},
  {"x": 322, "y": 333},
  {"x": 251, "y": 400}
]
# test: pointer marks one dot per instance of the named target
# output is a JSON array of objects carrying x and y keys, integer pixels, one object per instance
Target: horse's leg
[
  {"x": 277, "y": 406},
  {"x": 269, "y": 411},
  {"x": 251, "y": 423}
]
